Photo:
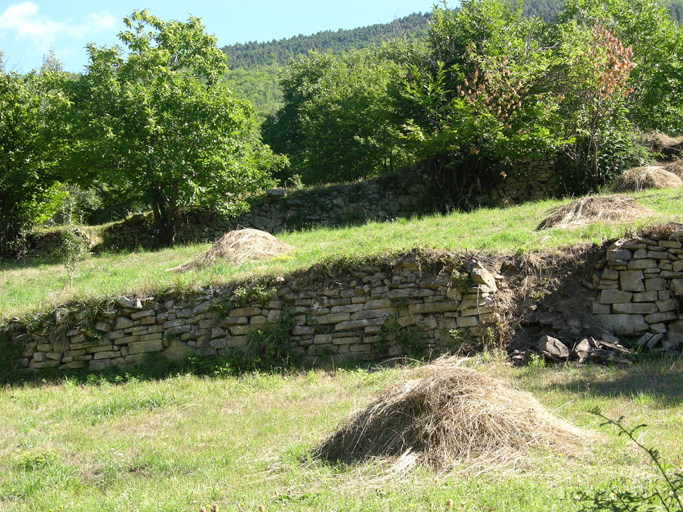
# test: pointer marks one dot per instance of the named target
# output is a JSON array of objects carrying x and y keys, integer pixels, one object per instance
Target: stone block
[
  {"x": 665, "y": 306},
  {"x": 621, "y": 324},
  {"x": 252, "y": 311},
  {"x": 677, "y": 266},
  {"x": 177, "y": 351},
  {"x": 358, "y": 324},
  {"x": 467, "y": 321},
  {"x": 642, "y": 264},
  {"x": 671, "y": 275},
  {"x": 99, "y": 364},
  {"x": 240, "y": 330},
  {"x": 658, "y": 255},
  {"x": 434, "y": 307},
  {"x": 322, "y": 339},
  {"x": 123, "y": 322},
  {"x": 103, "y": 326},
  {"x": 258, "y": 320},
  {"x": 140, "y": 347},
  {"x": 645, "y": 296},
  {"x": 377, "y": 304},
  {"x": 656, "y": 318},
  {"x": 601, "y": 309},
  {"x": 619, "y": 254},
  {"x": 143, "y": 314},
  {"x": 233, "y": 320},
  {"x": 107, "y": 355},
  {"x": 632, "y": 280},
  {"x": 631, "y": 308},
  {"x": 346, "y": 308},
  {"x": 655, "y": 284},
  {"x": 374, "y": 313},
  {"x": 615, "y": 297},
  {"x": 102, "y": 348},
  {"x": 333, "y": 318},
  {"x": 610, "y": 274}
]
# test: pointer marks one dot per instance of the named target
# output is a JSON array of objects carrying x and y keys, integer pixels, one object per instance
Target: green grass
[
  {"x": 39, "y": 284},
  {"x": 242, "y": 442}
]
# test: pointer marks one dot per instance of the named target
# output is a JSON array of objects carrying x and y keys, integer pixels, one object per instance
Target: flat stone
[
  {"x": 632, "y": 280},
  {"x": 125, "y": 302},
  {"x": 658, "y": 255},
  {"x": 140, "y": 347},
  {"x": 483, "y": 276},
  {"x": 631, "y": 308},
  {"x": 619, "y": 254},
  {"x": 601, "y": 309},
  {"x": 553, "y": 347},
  {"x": 615, "y": 297},
  {"x": 655, "y": 284},
  {"x": 143, "y": 314},
  {"x": 642, "y": 264},
  {"x": 667, "y": 305},
  {"x": 645, "y": 296},
  {"x": 656, "y": 318},
  {"x": 677, "y": 266},
  {"x": 123, "y": 322},
  {"x": 621, "y": 324},
  {"x": 640, "y": 253},
  {"x": 431, "y": 308}
]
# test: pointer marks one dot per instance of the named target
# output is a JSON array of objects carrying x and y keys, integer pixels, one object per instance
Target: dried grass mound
[
  {"x": 238, "y": 246},
  {"x": 641, "y": 178},
  {"x": 453, "y": 415},
  {"x": 675, "y": 167},
  {"x": 594, "y": 208},
  {"x": 668, "y": 147}
]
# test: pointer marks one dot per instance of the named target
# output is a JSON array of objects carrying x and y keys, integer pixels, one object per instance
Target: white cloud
[{"x": 23, "y": 19}]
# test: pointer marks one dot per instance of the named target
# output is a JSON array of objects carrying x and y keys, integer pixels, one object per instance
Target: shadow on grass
[
  {"x": 654, "y": 380},
  {"x": 157, "y": 367}
]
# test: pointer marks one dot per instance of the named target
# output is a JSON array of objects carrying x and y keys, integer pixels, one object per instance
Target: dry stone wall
[
  {"x": 528, "y": 180},
  {"x": 377, "y": 199},
  {"x": 361, "y": 316},
  {"x": 640, "y": 287}
]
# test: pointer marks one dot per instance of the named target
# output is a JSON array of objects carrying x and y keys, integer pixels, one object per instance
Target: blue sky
[{"x": 29, "y": 28}]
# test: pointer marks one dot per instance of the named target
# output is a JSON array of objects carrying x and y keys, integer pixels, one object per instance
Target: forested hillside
[
  {"x": 255, "y": 67},
  {"x": 254, "y": 54}
]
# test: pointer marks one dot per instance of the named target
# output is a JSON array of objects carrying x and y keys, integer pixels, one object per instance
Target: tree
[
  {"x": 157, "y": 125},
  {"x": 32, "y": 117},
  {"x": 334, "y": 125}
]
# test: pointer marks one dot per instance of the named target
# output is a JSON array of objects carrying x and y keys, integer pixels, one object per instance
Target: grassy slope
[
  {"x": 241, "y": 443},
  {"x": 40, "y": 284}
]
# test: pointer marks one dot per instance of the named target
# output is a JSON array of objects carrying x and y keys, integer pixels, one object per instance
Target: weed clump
[{"x": 453, "y": 415}]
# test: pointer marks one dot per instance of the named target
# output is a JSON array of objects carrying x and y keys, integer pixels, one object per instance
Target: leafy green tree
[
  {"x": 656, "y": 80},
  {"x": 156, "y": 124},
  {"x": 33, "y": 112},
  {"x": 334, "y": 125}
]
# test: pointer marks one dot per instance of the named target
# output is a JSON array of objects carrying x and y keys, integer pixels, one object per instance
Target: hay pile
[
  {"x": 594, "y": 208},
  {"x": 238, "y": 246},
  {"x": 641, "y": 178},
  {"x": 451, "y": 416},
  {"x": 675, "y": 167}
]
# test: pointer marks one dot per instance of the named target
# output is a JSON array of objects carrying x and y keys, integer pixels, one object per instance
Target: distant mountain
[{"x": 251, "y": 55}]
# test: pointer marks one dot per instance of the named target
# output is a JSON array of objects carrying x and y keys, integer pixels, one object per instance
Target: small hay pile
[
  {"x": 594, "y": 208},
  {"x": 675, "y": 167},
  {"x": 641, "y": 178},
  {"x": 238, "y": 246},
  {"x": 453, "y": 415}
]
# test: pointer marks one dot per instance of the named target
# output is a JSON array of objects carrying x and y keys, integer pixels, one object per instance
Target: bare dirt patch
[
  {"x": 238, "y": 246},
  {"x": 591, "y": 209}
]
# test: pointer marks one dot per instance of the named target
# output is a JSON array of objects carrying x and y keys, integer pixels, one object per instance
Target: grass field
[
  {"x": 241, "y": 443},
  {"x": 38, "y": 284}
]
